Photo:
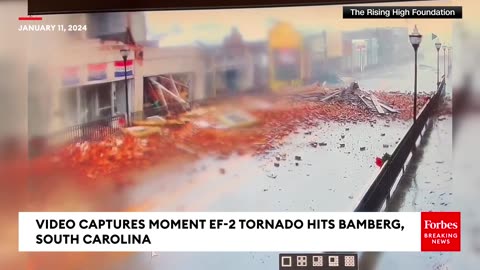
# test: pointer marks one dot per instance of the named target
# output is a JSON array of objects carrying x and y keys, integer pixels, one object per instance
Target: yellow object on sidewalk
[
  {"x": 142, "y": 132},
  {"x": 237, "y": 119}
]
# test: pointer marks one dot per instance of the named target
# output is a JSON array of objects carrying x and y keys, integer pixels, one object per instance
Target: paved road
[
  {"x": 399, "y": 78},
  {"x": 427, "y": 185},
  {"x": 327, "y": 178}
]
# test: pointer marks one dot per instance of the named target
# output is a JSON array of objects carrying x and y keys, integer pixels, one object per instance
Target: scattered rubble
[
  {"x": 214, "y": 132},
  {"x": 273, "y": 176}
]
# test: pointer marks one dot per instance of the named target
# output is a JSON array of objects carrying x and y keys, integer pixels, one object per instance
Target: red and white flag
[{"x": 121, "y": 66}]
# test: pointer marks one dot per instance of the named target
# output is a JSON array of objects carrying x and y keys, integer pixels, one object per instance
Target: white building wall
[
  {"x": 47, "y": 51},
  {"x": 79, "y": 54}
]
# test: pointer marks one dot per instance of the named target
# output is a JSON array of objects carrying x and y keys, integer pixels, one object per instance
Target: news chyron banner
[
  {"x": 240, "y": 232},
  {"x": 402, "y": 12}
]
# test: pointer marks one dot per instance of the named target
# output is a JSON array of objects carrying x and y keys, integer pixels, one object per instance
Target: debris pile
[
  {"x": 255, "y": 130},
  {"x": 370, "y": 104},
  {"x": 404, "y": 102},
  {"x": 111, "y": 156}
]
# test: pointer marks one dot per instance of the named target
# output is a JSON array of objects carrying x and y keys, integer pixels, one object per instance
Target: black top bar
[{"x": 42, "y": 7}]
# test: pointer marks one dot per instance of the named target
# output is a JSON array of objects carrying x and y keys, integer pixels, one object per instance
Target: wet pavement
[
  {"x": 332, "y": 163},
  {"x": 309, "y": 177},
  {"x": 304, "y": 177},
  {"x": 325, "y": 185},
  {"x": 427, "y": 185},
  {"x": 399, "y": 78}
]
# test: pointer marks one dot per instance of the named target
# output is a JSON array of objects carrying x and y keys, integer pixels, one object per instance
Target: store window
[
  {"x": 96, "y": 101},
  {"x": 181, "y": 84},
  {"x": 104, "y": 96}
]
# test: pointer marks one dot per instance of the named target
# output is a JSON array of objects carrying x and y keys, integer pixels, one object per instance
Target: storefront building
[
  {"x": 316, "y": 58},
  {"x": 91, "y": 83},
  {"x": 287, "y": 57},
  {"x": 231, "y": 66},
  {"x": 96, "y": 90},
  {"x": 359, "y": 54},
  {"x": 259, "y": 55}
]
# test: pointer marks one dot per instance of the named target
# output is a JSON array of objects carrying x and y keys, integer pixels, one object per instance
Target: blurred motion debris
[{"x": 248, "y": 126}]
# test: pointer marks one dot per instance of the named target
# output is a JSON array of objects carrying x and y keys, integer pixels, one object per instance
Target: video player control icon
[
  {"x": 317, "y": 261},
  {"x": 286, "y": 261},
  {"x": 301, "y": 261},
  {"x": 333, "y": 261}
]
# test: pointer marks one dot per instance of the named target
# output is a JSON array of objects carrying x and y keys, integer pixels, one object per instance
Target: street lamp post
[
  {"x": 415, "y": 39},
  {"x": 449, "y": 59},
  {"x": 444, "y": 62},
  {"x": 125, "y": 53},
  {"x": 438, "y": 45}
]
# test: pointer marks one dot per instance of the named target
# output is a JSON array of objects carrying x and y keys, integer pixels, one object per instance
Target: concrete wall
[{"x": 47, "y": 52}]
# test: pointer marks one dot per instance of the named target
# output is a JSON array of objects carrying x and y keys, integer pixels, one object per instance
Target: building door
[
  {"x": 119, "y": 97},
  {"x": 96, "y": 102}
]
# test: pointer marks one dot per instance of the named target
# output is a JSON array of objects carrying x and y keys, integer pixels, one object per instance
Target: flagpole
[{"x": 437, "y": 46}]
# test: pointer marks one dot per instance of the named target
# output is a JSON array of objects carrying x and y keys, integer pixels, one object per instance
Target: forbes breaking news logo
[{"x": 441, "y": 231}]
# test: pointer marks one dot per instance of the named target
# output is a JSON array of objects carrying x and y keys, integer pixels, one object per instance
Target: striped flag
[
  {"x": 120, "y": 68},
  {"x": 97, "y": 72},
  {"x": 70, "y": 76}
]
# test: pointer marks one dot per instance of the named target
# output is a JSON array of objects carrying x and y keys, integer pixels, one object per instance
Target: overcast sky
[{"x": 211, "y": 26}]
